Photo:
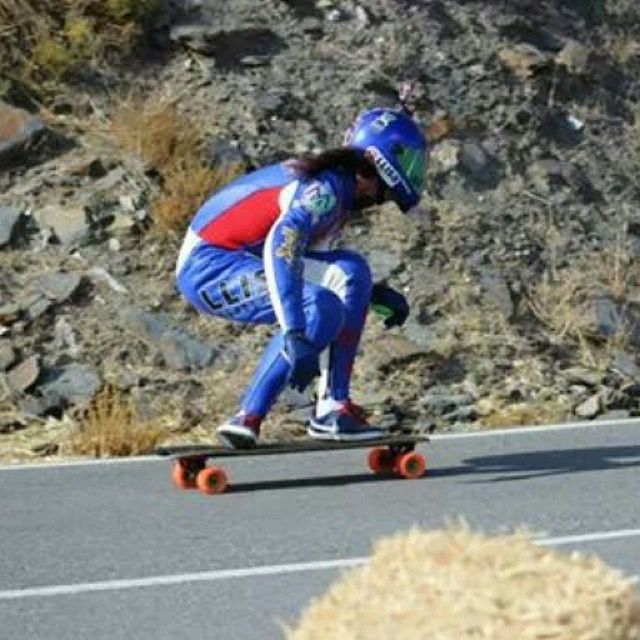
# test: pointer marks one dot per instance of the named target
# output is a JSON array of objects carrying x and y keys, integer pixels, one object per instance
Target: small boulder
[
  {"x": 19, "y": 132},
  {"x": 224, "y": 154},
  {"x": 441, "y": 400},
  {"x": 445, "y": 156},
  {"x": 391, "y": 350},
  {"x": 9, "y": 313},
  {"x": 625, "y": 364},
  {"x": 61, "y": 286},
  {"x": 10, "y": 219},
  {"x": 590, "y": 408},
  {"x": 199, "y": 37},
  {"x": 68, "y": 224},
  {"x": 573, "y": 56},
  {"x": 71, "y": 385},
  {"x": 178, "y": 349},
  {"x": 523, "y": 60},
  {"x": 583, "y": 376},
  {"x": 24, "y": 375},
  {"x": 7, "y": 355},
  {"x": 479, "y": 166}
]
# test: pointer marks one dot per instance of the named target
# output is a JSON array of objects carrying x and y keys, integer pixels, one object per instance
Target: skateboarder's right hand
[{"x": 303, "y": 358}]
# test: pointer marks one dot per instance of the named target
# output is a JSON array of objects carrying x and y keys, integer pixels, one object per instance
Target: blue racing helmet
[{"x": 394, "y": 143}]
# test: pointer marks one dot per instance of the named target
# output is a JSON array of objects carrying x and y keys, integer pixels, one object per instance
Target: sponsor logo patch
[
  {"x": 289, "y": 245},
  {"x": 385, "y": 168},
  {"x": 318, "y": 199}
]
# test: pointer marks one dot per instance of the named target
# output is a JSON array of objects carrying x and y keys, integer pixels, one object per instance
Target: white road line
[
  {"x": 265, "y": 570},
  {"x": 489, "y": 433},
  {"x": 516, "y": 431},
  {"x": 589, "y": 537},
  {"x": 181, "y": 578}
]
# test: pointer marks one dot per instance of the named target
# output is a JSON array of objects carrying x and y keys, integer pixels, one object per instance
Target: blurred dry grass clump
[
  {"x": 453, "y": 584},
  {"x": 564, "y": 301},
  {"x": 162, "y": 138},
  {"x": 110, "y": 426},
  {"x": 45, "y": 39}
]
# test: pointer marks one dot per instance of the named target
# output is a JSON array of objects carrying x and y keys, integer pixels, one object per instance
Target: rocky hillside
[{"x": 521, "y": 265}]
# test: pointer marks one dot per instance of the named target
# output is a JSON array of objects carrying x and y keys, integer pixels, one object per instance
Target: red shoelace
[{"x": 355, "y": 411}]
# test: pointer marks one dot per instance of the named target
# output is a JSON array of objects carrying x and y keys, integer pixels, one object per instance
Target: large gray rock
[
  {"x": 70, "y": 385},
  {"x": 19, "y": 132},
  {"x": 60, "y": 286},
  {"x": 178, "y": 349}
]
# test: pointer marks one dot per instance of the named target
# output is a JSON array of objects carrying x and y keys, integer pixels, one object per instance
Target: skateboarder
[{"x": 258, "y": 251}]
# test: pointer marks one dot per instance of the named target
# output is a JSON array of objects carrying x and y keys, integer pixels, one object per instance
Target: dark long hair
[{"x": 310, "y": 164}]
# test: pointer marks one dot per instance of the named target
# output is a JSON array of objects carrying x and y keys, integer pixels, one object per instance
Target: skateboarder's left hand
[
  {"x": 390, "y": 304},
  {"x": 304, "y": 359}
]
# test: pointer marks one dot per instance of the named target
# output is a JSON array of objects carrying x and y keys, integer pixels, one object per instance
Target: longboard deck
[{"x": 278, "y": 448}]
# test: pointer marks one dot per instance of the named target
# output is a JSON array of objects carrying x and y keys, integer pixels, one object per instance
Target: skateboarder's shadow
[{"x": 537, "y": 464}]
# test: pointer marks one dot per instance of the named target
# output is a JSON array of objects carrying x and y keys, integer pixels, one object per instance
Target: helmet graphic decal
[{"x": 396, "y": 146}]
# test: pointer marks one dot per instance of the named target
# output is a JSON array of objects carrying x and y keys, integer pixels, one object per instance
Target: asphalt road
[{"x": 113, "y": 551}]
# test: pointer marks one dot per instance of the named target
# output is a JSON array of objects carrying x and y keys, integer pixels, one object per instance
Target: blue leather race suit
[{"x": 257, "y": 252}]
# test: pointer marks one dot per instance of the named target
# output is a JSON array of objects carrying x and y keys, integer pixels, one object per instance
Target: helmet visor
[{"x": 413, "y": 165}]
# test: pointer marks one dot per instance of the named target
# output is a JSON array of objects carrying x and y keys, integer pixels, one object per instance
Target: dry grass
[
  {"x": 111, "y": 427},
  {"x": 44, "y": 39},
  {"x": 162, "y": 138},
  {"x": 564, "y": 300},
  {"x": 548, "y": 409},
  {"x": 455, "y": 584}
]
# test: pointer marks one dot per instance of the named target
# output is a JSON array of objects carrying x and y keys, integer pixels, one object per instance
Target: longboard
[{"x": 389, "y": 455}]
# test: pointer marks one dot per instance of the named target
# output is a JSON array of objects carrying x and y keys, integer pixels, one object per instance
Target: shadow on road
[
  {"x": 537, "y": 464},
  {"x": 322, "y": 481},
  {"x": 503, "y": 467}
]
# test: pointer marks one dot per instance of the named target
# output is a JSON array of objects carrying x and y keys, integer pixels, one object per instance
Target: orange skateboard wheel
[
  {"x": 380, "y": 460},
  {"x": 411, "y": 465},
  {"x": 212, "y": 480},
  {"x": 183, "y": 474}
]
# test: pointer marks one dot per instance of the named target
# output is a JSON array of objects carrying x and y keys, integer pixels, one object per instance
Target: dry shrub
[
  {"x": 111, "y": 427},
  {"x": 454, "y": 584},
  {"x": 41, "y": 39},
  {"x": 186, "y": 186},
  {"x": 153, "y": 129},
  {"x": 164, "y": 139}
]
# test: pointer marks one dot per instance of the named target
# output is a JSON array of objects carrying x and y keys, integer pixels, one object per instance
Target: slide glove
[
  {"x": 390, "y": 304},
  {"x": 303, "y": 358}
]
